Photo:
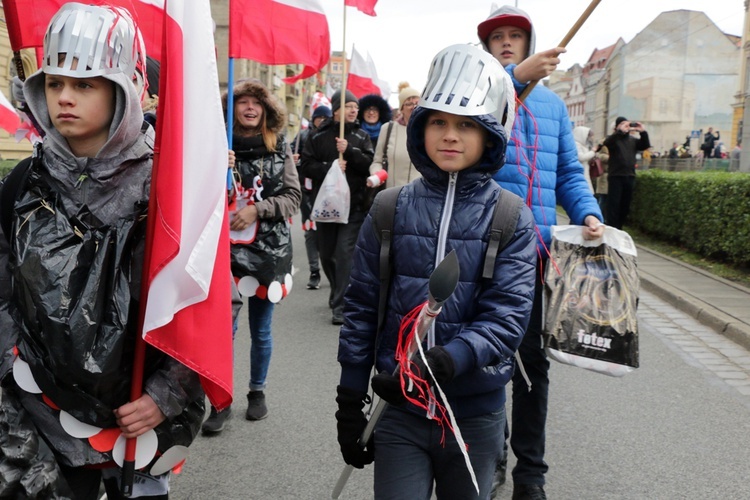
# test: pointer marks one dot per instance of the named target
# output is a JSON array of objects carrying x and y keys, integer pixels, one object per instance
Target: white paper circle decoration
[
  {"x": 145, "y": 449},
  {"x": 169, "y": 459},
  {"x": 76, "y": 428},
  {"x": 275, "y": 293},
  {"x": 288, "y": 280},
  {"x": 247, "y": 286},
  {"x": 23, "y": 377}
]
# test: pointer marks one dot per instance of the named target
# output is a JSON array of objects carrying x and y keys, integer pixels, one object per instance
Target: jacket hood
[
  {"x": 123, "y": 132},
  {"x": 581, "y": 134},
  {"x": 377, "y": 101},
  {"x": 507, "y": 16},
  {"x": 275, "y": 111},
  {"x": 492, "y": 159}
]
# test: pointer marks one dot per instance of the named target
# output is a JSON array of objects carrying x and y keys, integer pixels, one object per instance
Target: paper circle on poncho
[
  {"x": 169, "y": 460},
  {"x": 76, "y": 428},
  {"x": 23, "y": 377},
  {"x": 275, "y": 293},
  {"x": 145, "y": 449},
  {"x": 288, "y": 280},
  {"x": 247, "y": 286}
]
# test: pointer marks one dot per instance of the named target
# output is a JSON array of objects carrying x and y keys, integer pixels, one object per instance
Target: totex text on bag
[
  {"x": 591, "y": 292},
  {"x": 333, "y": 200}
]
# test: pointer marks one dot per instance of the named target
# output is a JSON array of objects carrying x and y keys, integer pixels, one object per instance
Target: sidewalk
[{"x": 717, "y": 303}]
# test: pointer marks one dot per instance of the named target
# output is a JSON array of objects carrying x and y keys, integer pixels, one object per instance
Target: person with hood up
[
  {"x": 336, "y": 241},
  {"x": 266, "y": 195},
  {"x": 70, "y": 275},
  {"x": 391, "y": 155},
  {"x": 583, "y": 137},
  {"x": 374, "y": 112},
  {"x": 319, "y": 115},
  {"x": 542, "y": 168},
  {"x": 457, "y": 142}
]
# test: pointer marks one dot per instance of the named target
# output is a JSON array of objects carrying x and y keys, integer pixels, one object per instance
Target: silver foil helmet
[
  {"x": 84, "y": 41},
  {"x": 465, "y": 80}
]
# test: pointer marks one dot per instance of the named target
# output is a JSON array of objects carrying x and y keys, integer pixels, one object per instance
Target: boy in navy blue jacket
[{"x": 456, "y": 139}]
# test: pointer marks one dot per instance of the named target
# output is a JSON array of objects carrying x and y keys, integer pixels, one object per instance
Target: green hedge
[
  {"x": 6, "y": 166},
  {"x": 706, "y": 212}
]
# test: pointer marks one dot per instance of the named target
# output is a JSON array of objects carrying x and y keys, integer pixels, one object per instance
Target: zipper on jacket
[
  {"x": 79, "y": 184},
  {"x": 445, "y": 222}
]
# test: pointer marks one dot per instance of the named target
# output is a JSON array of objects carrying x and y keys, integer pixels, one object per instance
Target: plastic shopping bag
[
  {"x": 333, "y": 200},
  {"x": 591, "y": 293}
]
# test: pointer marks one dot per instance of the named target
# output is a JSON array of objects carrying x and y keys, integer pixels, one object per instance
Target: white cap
[
  {"x": 84, "y": 41},
  {"x": 465, "y": 80}
]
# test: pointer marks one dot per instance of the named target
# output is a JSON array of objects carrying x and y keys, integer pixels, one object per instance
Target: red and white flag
[
  {"x": 366, "y": 6},
  {"x": 362, "y": 79},
  {"x": 9, "y": 119},
  {"x": 188, "y": 312},
  {"x": 280, "y": 32},
  {"x": 27, "y": 20}
]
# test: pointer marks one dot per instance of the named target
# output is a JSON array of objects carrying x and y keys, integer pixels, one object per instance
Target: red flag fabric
[
  {"x": 363, "y": 79},
  {"x": 276, "y": 32},
  {"x": 366, "y": 6},
  {"x": 27, "y": 20},
  {"x": 9, "y": 119},
  {"x": 188, "y": 311}
]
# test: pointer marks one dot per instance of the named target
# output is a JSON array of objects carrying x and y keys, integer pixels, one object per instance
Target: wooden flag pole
[
  {"x": 564, "y": 43},
  {"x": 342, "y": 102}
]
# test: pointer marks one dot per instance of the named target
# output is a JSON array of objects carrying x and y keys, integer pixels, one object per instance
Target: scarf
[{"x": 372, "y": 130}]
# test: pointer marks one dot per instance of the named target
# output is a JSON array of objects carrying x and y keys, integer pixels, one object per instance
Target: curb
[{"x": 701, "y": 311}]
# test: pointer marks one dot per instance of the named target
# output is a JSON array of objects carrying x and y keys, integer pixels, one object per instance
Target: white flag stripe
[{"x": 185, "y": 280}]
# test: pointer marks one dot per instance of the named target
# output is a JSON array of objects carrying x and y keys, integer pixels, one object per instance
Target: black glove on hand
[
  {"x": 350, "y": 422},
  {"x": 388, "y": 386}
]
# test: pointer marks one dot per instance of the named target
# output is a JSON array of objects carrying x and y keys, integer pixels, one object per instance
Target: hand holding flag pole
[
  {"x": 569, "y": 36},
  {"x": 443, "y": 281}
]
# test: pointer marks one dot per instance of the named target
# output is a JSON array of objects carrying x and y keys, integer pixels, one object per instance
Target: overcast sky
[{"x": 406, "y": 34}]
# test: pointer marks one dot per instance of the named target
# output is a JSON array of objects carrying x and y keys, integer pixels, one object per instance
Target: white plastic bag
[
  {"x": 333, "y": 200},
  {"x": 591, "y": 293}
]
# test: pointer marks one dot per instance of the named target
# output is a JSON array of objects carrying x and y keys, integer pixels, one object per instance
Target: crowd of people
[{"x": 454, "y": 151}]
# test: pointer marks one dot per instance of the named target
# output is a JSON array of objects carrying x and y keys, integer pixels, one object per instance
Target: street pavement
[{"x": 678, "y": 427}]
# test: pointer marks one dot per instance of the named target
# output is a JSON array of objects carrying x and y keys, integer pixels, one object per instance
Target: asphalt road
[{"x": 676, "y": 428}]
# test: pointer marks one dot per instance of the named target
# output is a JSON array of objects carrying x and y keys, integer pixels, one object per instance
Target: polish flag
[
  {"x": 385, "y": 89},
  {"x": 27, "y": 20},
  {"x": 363, "y": 78},
  {"x": 186, "y": 272},
  {"x": 9, "y": 119},
  {"x": 366, "y": 6},
  {"x": 280, "y": 32}
]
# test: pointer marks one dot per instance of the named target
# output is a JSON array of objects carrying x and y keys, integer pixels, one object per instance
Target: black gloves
[
  {"x": 350, "y": 422},
  {"x": 388, "y": 386}
]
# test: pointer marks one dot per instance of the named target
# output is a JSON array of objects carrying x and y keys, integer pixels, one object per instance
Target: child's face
[
  {"x": 248, "y": 111},
  {"x": 453, "y": 142},
  {"x": 81, "y": 109},
  {"x": 508, "y": 44}
]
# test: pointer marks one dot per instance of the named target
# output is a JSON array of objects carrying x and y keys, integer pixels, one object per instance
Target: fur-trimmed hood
[
  {"x": 384, "y": 108},
  {"x": 276, "y": 114}
]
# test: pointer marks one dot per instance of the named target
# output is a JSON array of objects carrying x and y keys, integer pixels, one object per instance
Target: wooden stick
[
  {"x": 342, "y": 102},
  {"x": 565, "y": 41}
]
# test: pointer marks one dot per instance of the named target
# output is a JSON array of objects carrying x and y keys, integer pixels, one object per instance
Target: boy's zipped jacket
[{"x": 482, "y": 323}]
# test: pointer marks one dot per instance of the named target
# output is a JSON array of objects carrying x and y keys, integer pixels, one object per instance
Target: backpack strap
[
  {"x": 384, "y": 161},
  {"x": 11, "y": 188},
  {"x": 504, "y": 222},
  {"x": 383, "y": 212}
]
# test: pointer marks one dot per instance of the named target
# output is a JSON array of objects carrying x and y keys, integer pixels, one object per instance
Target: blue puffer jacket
[
  {"x": 558, "y": 178},
  {"x": 482, "y": 323}
]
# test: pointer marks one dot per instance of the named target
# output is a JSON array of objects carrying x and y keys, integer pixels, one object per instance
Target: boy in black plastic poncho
[{"x": 70, "y": 275}]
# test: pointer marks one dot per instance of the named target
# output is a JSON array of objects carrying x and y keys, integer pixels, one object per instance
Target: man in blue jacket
[{"x": 542, "y": 167}]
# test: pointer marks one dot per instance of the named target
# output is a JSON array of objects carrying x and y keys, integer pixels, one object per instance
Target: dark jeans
[
  {"x": 529, "y": 411},
  {"x": 261, "y": 342},
  {"x": 311, "y": 247},
  {"x": 410, "y": 456},
  {"x": 619, "y": 196},
  {"x": 336, "y": 248}
]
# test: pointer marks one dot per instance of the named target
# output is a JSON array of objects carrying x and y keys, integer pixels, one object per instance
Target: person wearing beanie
[
  {"x": 471, "y": 344},
  {"x": 391, "y": 155},
  {"x": 336, "y": 241},
  {"x": 547, "y": 177},
  {"x": 319, "y": 115},
  {"x": 374, "y": 111},
  {"x": 622, "y": 147}
]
